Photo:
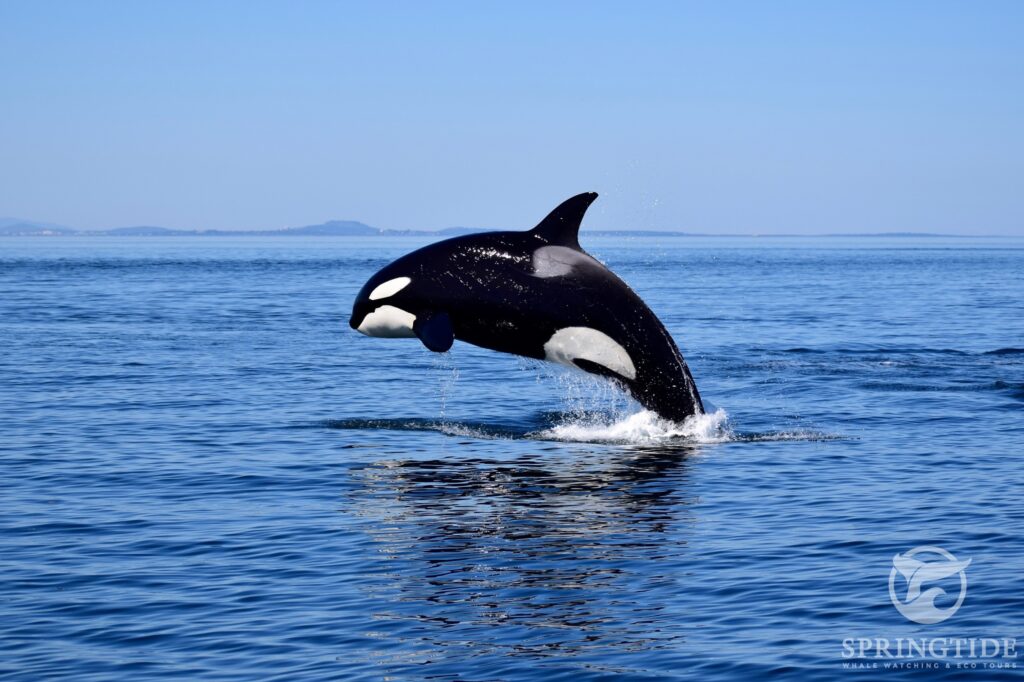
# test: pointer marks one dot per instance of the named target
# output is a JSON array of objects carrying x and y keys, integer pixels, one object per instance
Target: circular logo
[{"x": 919, "y": 568}]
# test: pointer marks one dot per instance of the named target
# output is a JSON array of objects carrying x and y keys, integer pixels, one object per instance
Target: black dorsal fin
[{"x": 562, "y": 226}]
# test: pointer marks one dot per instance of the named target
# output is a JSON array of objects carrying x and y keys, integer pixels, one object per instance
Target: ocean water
[{"x": 207, "y": 475}]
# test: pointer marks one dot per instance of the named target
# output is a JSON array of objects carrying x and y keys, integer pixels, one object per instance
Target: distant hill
[
  {"x": 146, "y": 231},
  {"x": 332, "y": 228},
  {"x": 455, "y": 231},
  {"x": 354, "y": 228},
  {"x": 20, "y": 227},
  {"x": 888, "y": 234}
]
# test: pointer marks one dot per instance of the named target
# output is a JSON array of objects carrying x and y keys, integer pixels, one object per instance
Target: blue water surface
[{"x": 207, "y": 475}]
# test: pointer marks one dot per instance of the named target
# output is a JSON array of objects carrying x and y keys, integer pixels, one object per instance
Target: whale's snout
[{"x": 373, "y": 317}]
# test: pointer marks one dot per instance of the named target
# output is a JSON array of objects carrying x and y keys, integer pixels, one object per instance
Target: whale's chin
[{"x": 388, "y": 322}]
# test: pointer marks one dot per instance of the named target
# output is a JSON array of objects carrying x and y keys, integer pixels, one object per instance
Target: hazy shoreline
[{"x": 289, "y": 233}]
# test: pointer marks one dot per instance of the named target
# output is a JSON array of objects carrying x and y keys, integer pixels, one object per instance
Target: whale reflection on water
[{"x": 546, "y": 547}]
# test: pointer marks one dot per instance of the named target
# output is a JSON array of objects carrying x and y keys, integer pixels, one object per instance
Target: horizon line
[{"x": 10, "y": 227}]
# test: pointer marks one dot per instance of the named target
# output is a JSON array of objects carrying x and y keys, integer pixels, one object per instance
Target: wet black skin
[{"x": 487, "y": 290}]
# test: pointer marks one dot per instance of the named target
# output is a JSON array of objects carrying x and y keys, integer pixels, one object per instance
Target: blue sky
[{"x": 794, "y": 117}]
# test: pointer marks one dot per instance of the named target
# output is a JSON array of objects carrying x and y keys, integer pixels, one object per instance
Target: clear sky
[{"x": 753, "y": 117}]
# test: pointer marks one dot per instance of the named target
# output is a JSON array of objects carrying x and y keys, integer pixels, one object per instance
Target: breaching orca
[{"x": 535, "y": 294}]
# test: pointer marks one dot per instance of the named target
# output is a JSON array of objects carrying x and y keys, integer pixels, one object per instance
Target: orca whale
[{"x": 537, "y": 294}]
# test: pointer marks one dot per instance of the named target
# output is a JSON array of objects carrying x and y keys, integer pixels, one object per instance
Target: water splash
[
  {"x": 593, "y": 410},
  {"x": 640, "y": 428},
  {"x": 449, "y": 372},
  {"x": 643, "y": 428},
  {"x": 596, "y": 410}
]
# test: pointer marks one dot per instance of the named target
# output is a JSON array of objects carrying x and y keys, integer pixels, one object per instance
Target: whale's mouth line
[{"x": 639, "y": 429}]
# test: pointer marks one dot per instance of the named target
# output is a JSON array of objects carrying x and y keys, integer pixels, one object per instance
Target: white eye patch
[{"x": 389, "y": 288}]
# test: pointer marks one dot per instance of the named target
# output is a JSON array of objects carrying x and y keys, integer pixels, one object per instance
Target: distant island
[
  {"x": 333, "y": 228},
  {"x": 14, "y": 227}
]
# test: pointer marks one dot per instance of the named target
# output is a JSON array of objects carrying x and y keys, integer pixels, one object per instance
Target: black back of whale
[{"x": 511, "y": 291}]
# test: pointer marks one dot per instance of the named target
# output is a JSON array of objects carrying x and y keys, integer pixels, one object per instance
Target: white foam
[
  {"x": 467, "y": 431},
  {"x": 642, "y": 428}
]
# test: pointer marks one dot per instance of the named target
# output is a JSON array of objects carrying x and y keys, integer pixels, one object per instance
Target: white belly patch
[
  {"x": 584, "y": 343},
  {"x": 388, "y": 322}
]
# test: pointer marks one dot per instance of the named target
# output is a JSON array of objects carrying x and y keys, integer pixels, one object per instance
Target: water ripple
[{"x": 208, "y": 476}]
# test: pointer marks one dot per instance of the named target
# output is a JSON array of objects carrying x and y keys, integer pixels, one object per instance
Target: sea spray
[
  {"x": 641, "y": 428},
  {"x": 449, "y": 373}
]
